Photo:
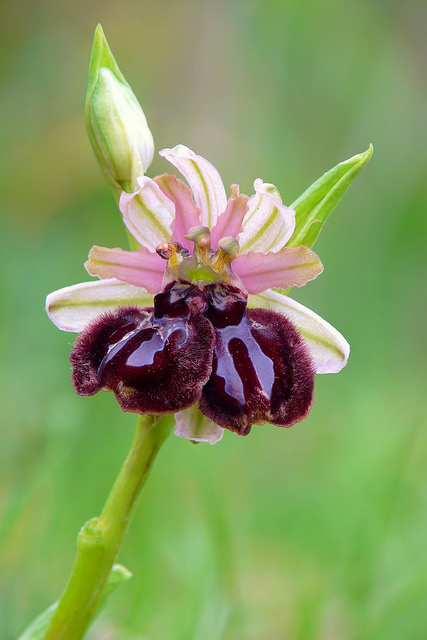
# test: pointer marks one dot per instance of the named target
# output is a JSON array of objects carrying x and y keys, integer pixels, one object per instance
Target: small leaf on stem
[{"x": 37, "y": 629}]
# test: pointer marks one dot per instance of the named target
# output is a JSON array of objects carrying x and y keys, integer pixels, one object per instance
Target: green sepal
[
  {"x": 316, "y": 204},
  {"x": 39, "y": 626}
]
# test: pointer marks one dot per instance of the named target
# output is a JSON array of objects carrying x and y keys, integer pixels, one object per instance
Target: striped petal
[
  {"x": 193, "y": 425},
  {"x": 230, "y": 222},
  {"x": 73, "y": 308},
  {"x": 328, "y": 348},
  {"x": 268, "y": 224},
  {"x": 187, "y": 214},
  {"x": 288, "y": 268},
  {"x": 148, "y": 214},
  {"x": 204, "y": 180},
  {"x": 140, "y": 268}
]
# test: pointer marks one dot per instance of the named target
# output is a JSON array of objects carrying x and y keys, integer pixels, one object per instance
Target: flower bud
[{"x": 116, "y": 124}]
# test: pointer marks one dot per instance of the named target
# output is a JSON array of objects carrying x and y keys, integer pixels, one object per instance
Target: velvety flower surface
[{"x": 192, "y": 322}]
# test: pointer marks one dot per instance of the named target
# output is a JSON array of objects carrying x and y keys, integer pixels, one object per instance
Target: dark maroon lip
[{"x": 243, "y": 366}]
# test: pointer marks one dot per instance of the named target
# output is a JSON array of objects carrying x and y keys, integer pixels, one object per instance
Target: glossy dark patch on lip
[
  {"x": 244, "y": 366},
  {"x": 261, "y": 372}
]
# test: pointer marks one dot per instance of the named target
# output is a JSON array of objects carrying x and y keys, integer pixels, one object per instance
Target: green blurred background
[{"x": 314, "y": 533}]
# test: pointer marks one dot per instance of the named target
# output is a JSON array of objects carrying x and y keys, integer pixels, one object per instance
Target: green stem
[{"x": 100, "y": 539}]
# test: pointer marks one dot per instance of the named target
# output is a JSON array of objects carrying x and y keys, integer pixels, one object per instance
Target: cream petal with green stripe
[
  {"x": 204, "y": 180},
  {"x": 268, "y": 223},
  {"x": 328, "y": 348},
  {"x": 193, "y": 425},
  {"x": 148, "y": 214},
  {"x": 73, "y": 308}
]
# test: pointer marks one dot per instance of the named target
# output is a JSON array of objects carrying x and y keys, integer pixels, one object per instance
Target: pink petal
[
  {"x": 73, "y": 308},
  {"x": 140, "y": 268},
  {"x": 193, "y": 425},
  {"x": 187, "y": 214},
  {"x": 328, "y": 348},
  {"x": 148, "y": 214},
  {"x": 268, "y": 224},
  {"x": 204, "y": 180},
  {"x": 288, "y": 268},
  {"x": 230, "y": 222}
]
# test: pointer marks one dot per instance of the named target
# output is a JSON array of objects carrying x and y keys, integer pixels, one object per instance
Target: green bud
[
  {"x": 316, "y": 204},
  {"x": 116, "y": 124}
]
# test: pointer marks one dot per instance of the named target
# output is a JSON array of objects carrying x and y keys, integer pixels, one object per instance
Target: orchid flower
[{"x": 193, "y": 322}]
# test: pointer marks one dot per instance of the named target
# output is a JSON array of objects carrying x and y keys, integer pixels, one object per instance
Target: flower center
[{"x": 204, "y": 266}]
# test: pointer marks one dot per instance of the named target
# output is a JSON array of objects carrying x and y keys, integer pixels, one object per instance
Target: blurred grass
[{"x": 316, "y": 533}]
